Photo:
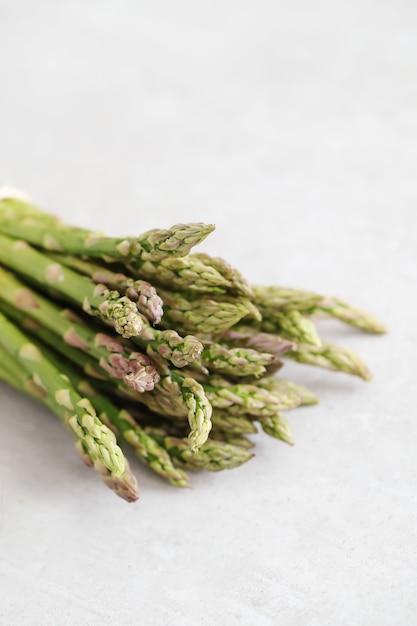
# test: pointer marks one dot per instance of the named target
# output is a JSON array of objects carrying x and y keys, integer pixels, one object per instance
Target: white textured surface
[{"x": 292, "y": 126}]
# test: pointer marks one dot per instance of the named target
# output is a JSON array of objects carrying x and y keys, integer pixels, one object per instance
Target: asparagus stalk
[
  {"x": 273, "y": 299},
  {"x": 183, "y": 273},
  {"x": 125, "y": 485},
  {"x": 332, "y": 357},
  {"x": 80, "y": 290},
  {"x": 291, "y": 325},
  {"x": 279, "y": 385},
  {"x": 238, "y": 284},
  {"x": 249, "y": 399},
  {"x": 277, "y": 426},
  {"x": 122, "y": 423},
  {"x": 235, "y": 361},
  {"x": 143, "y": 293},
  {"x": 24, "y": 221},
  {"x": 135, "y": 369},
  {"x": 204, "y": 314},
  {"x": 213, "y": 455},
  {"x": 83, "y": 421},
  {"x": 247, "y": 336}
]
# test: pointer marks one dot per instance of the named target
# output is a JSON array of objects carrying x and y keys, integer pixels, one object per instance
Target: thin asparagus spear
[
  {"x": 143, "y": 293},
  {"x": 273, "y": 299},
  {"x": 183, "y": 273},
  {"x": 332, "y": 357},
  {"x": 125, "y": 485},
  {"x": 83, "y": 421},
  {"x": 277, "y": 426},
  {"x": 249, "y": 399},
  {"x": 80, "y": 290},
  {"x": 235, "y": 361},
  {"x": 24, "y": 221},
  {"x": 238, "y": 284},
  {"x": 247, "y": 336},
  {"x": 204, "y": 314},
  {"x": 123, "y": 424},
  {"x": 291, "y": 325},
  {"x": 213, "y": 455},
  {"x": 284, "y": 386}
]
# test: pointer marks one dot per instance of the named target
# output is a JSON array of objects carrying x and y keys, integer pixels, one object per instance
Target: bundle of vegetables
[{"x": 137, "y": 338}]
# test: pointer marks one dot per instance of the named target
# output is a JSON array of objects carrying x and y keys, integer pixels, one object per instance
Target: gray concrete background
[{"x": 293, "y": 127}]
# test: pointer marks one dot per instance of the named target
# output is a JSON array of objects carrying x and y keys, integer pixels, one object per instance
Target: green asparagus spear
[
  {"x": 23, "y": 221},
  {"x": 143, "y": 293},
  {"x": 83, "y": 421},
  {"x": 332, "y": 357},
  {"x": 273, "y": 299},
  {"x": 93, "y": 299},
  {"x": 213, "y": 455}
]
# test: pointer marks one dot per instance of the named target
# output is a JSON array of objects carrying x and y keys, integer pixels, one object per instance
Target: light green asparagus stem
[
  {"x": 23, "y": 221},
  {"x": 332, "y": 357},
  {"x": 80, "y": 290},
  {"x": 291, "y": 325},
  {"x": 273, "y": 299},
  {"x": 204, "y": 314},
  {"x": 278, "y": 426},
  {"x": 213, "y": 455},
  {"x": 143, "y": 293},
  {"x": 83, "y": 421},
  {"x": 135, "y": 369},
  {"x": 236, "y": 361},
  {"x": 249, "y": 399},
  {"x": 279, "y": 385},
  {"x": 124, "y": 486}
]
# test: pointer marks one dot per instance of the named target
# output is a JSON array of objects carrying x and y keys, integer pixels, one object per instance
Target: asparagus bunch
[{"x": 143, "y": 340}]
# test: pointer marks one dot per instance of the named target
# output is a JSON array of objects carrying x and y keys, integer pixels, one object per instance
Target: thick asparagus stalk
[
  {"x": 80, "y": 290},
  {"x": 83, "y": 421}
]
